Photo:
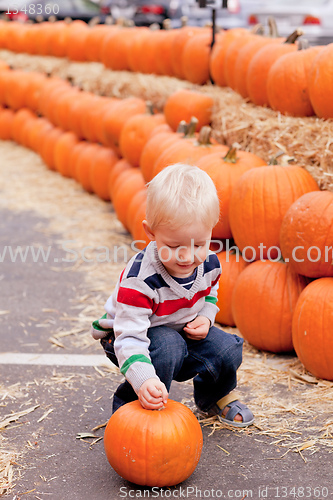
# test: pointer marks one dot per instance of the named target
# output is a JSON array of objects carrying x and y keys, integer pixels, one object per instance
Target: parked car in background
[
  {"x": 147, "y": 12},
  {"x": 314, "y": 17},
  {"x": 35, "y": 9}
]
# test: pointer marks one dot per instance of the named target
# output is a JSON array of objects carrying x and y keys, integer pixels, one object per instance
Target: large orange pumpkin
[
  {"x": 218, "y": 54},
  {"x": 6, "y": 120},
  {"x": 188, "y": 150},
  {"x": 105, "y": 159},
  {"x": 195, "y": 58},
  {"x": 307, "y": 234},
  {"x": 135, "y": 134},
  {"x": 21, "y": 118},
  {"x": 16, "y": 88},
  {"x": 178, "y": 45},
  {"x": 77, "y": 35},
  {"x": 321, "y": 81},
  {"x": 153, "y": 447},
  {"x": 244, "y": 59},
  {"x": 287, "y": 82},
  {"x": 149, "y": 63},
  {"x": 130, "y": 182},
  {"x": 312, "y": 328},
  {"x": 232, "y": 264},
  {"x": 263, "y": 302},
  {"x": 46, "y": 150},
  {"x": 116, "y": 47},
  {"x": 116, "y": 117},
  {"x": 83, "y": 165},
  {"x": 59, "y": 39},
  {"x": 62, "y": 151},
  {"x": 37, "y": 134},
  {"x": 94, "y": 41},
  {"x": 256, "y": 78},
  {"x": 184, "y": 104},
  {"x": 225, "y": 170},
  {"x": 258, "y": 203},
  {"x": 153, "y": 149},
  {"x": 139, "y": 235},
  {"x": 135, "y": 206},
  {"x": 231, "y": 56},
  {"x": 35, "y": 86},
  {"x": 115, "y": 175},
  {"x": 164, "y": 61}
]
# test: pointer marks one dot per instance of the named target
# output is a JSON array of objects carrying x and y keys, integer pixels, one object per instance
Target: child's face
[{"x": 182, "y": 250}]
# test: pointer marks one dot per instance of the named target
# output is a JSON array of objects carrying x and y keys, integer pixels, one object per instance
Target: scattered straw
[
  {"x": 292, "y": 408},
  {"x": 7, "y": 461},
  {"x": 309, "y": 140}
]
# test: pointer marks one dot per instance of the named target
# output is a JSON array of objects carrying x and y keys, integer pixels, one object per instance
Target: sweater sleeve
[
  {"x": 134, "y": 307},
  {"x": 210, "y": 309}
]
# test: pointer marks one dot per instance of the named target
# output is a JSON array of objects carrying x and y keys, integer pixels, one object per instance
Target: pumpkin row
[
  {"x": 251, "y": 212},
  {"x": 267, "y": 70},
  {"x": 277, "y": 191}
]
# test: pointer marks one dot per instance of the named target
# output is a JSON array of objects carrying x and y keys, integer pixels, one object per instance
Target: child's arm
[
  {"x": 199, "y": 327},
  {"x": 134, "y": 307},
  {"x": 152, "y": 394}
]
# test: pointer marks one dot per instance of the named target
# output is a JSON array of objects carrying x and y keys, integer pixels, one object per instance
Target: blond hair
[{"x": 181, "y": 194}]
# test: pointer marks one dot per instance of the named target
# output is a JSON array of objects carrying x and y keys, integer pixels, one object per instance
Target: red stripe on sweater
[
  {"x": 134, "y": 298},
  {"x": 216, "y": 280},
  {"x": 137, "y": 299},
  {"x": 171, "y": 306}
]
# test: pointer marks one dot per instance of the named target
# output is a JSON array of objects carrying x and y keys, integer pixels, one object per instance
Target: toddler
[{"x": 159, "y": 321}]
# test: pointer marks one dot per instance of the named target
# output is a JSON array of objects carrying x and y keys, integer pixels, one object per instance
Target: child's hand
[
  {"x": 153, "y": 394},
  {"x": 198, "y": 328}
]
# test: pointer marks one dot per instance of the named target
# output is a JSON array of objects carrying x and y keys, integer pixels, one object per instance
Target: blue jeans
[{"x": 212, "y": 363}]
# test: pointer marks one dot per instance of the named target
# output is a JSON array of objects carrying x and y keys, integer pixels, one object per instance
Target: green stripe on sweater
[
  {"x": 97, "y": 326},
  {"x": 133, "y": 359},
  {"x": 213, "y": 300}
]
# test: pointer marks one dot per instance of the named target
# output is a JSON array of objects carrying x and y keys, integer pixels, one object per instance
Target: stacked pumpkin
[
  {"x": 288, "y": 76},
  {"x": 112, "y": 147},
  {"x": 274, "y": 212}
]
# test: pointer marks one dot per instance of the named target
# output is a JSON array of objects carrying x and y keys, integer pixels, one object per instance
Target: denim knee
[
  {"x": 222, "y": 352},
  {"x": 167, "y": 351}
]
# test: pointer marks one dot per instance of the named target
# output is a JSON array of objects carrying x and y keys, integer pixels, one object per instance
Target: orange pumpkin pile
[
  {"x": 268, "y": 70},
  {"x": 112, "y": 147}
]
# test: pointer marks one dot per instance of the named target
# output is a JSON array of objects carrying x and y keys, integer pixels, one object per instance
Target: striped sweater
[{"x": 146, "y": 296}]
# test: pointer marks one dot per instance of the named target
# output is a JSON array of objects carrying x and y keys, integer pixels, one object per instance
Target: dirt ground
[{"x": 56, "y": 386}]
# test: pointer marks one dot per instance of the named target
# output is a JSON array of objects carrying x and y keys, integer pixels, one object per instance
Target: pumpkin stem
[
  {"x": 258, "y": 29},
  {"x": 120, "y": 21},
  {"x": 167, "y": 24},
  {"x": 154, "y": 27},
  {"x": 204, "y": 136},
  {"x": 274, "y": 159},
  {"x": 149, "y": 108},
  {"x": 184, "y": 21},
  {"x": 182, "y": 127},
  {"x": 94, "y": 21},
  {"x": 192, "y": 125},
  {"x": 272, "y": 26},
  {"x": 302, "y": 44},
  {"x": 109, "y": 20},
  {"x": 231, "y": 156},
  {"x": 294, "y": 36}
]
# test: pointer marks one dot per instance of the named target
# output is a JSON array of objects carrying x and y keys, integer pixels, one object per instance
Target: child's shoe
[{"x": 228, "y": 407}]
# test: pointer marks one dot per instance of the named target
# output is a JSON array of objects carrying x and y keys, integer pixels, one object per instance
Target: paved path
[{"x": 65, "y": 400}]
